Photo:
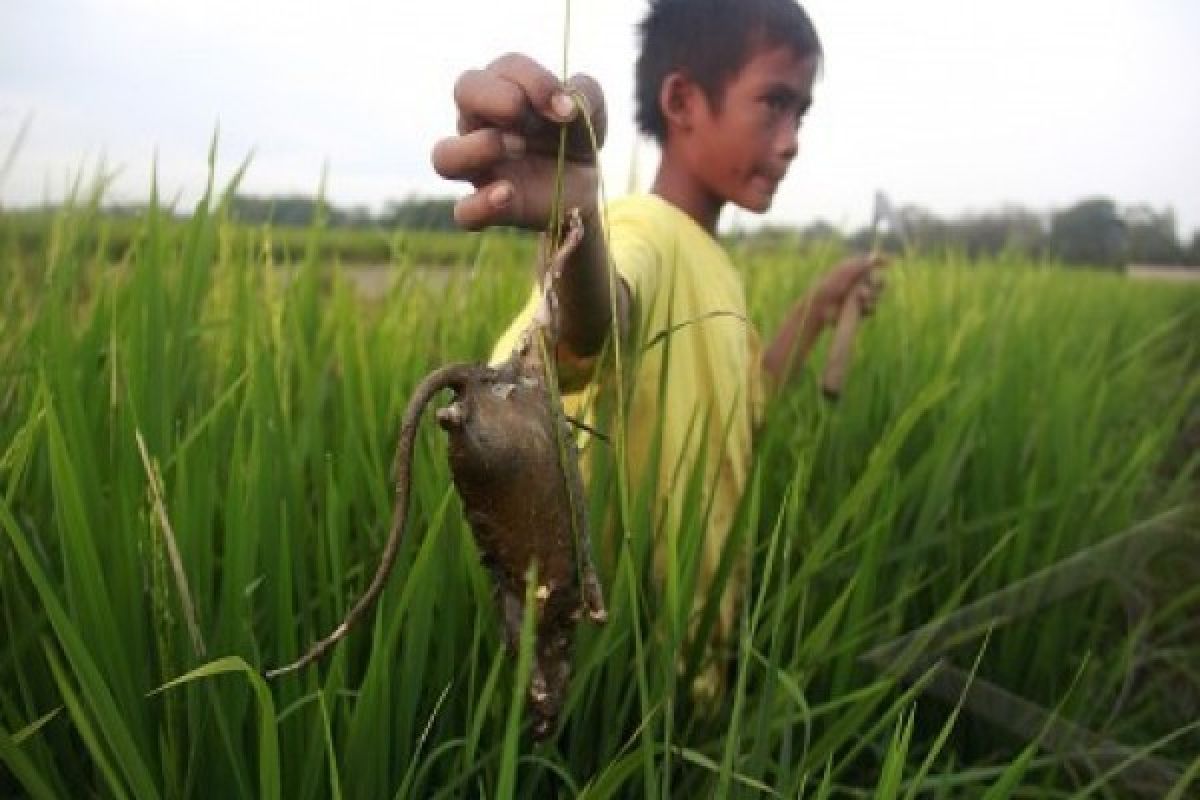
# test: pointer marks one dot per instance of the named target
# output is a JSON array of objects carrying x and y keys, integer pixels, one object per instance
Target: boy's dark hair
[{"x": 710, "y": 40}]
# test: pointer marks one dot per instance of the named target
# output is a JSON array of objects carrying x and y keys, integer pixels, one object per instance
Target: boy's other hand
[
  {"x": 510, "y": 116},
  {"x": 854, "y": 279}
]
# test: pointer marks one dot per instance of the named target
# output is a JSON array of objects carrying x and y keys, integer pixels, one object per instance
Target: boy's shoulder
[
  {"x": 651, "y": 220},
  {"x": 656, "y": 247},
  {"x": 641, "y": 208}
]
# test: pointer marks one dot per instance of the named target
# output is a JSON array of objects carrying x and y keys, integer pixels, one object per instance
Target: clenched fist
[{"x": 511, "y": 116}]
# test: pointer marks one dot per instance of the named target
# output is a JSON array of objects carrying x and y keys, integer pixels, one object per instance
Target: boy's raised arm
[
  {"x": 510, "y": 120},
  {"x": 850, "y": 281}
]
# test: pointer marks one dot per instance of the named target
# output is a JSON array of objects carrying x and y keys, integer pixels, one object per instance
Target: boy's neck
[{"x": 680, "y": 188}]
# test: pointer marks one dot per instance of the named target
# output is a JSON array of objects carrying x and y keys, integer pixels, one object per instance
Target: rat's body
[{"x": 514, "y": 463}]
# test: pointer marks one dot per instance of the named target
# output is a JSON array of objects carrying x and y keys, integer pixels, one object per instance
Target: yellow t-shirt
[{"x": 698, "y": 373}]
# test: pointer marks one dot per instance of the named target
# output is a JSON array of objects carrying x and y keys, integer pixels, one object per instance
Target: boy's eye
[
  {"x": 776, "y": 102},
  {"x": 786, "y": 100},
  {"x": 780, "y": 103}
]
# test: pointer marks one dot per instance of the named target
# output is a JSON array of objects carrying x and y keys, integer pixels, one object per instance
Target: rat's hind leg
[
  {"x": 593, "y": 595},
  {"x": 589, "y": 581},
  {"x": 549, "y": 679},
  {"x": 512, "y": 613}
]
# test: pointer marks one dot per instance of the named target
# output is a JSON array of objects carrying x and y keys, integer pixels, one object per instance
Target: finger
[
  {"x": 475, "y": 153},
  {"x": 544, "y": 94},
  {"x": 543, "y": 91},
  {"x": 516, "y": 93},
  {"x": 486, "y": 99},
  {"x": 490, "y": 205},
  {"x": 842, "y": 279},
  {"x": 859, "y": 269},
  {"x": 591, "y": 119},
  {"x": 580, "y": 103},
  {"x": 862, "y": 266}
]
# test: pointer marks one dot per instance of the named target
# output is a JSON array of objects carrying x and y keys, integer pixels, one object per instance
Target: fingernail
[
  {"x": 563, "y": 105},
  {"x": 514, "y": 145},
  {"x": 501, "y": 195}
]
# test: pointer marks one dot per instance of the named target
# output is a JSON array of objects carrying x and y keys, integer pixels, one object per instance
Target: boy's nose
[{"x": 787, "y": 142}]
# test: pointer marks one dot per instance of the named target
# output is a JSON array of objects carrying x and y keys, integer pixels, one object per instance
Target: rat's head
[
  {"x": 722, "y": 86},
  {"x": 493, "y": 423}
]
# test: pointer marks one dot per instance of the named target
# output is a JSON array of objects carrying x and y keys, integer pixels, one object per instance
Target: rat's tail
[{"x": 454, "y": 377}]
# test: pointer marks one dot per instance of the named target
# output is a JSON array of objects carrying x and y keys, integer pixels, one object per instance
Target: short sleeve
[
  {"x": 508, "y": 340},
  {"x": 634, "y": 234}
]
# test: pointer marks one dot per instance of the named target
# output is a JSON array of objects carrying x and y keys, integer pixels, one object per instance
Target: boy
[{"x": 722, "y": 85}]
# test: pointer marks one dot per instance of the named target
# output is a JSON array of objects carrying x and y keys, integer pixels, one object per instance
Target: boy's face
[{"x": 742, "y": 151}]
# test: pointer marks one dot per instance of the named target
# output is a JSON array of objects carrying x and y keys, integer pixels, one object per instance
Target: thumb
[
  {"x": 590, "y": 97},
  {"x": 856, "y": 269},
  {"x": 586, "y": 122}
]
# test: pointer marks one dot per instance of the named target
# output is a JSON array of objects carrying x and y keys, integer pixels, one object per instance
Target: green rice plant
[{"x": 1000, "y": 418}]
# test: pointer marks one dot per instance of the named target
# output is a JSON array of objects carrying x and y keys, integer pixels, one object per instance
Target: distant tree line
[
  {"x": 1092, "y": 232},
  {"x": 413, "y": 213}
]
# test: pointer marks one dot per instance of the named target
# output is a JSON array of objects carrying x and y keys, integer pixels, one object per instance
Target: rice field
[{"x": 195, "y": 449}]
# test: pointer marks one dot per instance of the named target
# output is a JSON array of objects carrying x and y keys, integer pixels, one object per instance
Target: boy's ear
[{"x": 677, "y": 99}]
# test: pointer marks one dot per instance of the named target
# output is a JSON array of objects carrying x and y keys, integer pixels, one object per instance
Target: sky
[{"x": 954, "y": 106}]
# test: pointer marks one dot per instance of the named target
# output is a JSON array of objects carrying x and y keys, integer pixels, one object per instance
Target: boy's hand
[
  {"x": 510, "y": 116},
  {"x": 854, "y": 279}
]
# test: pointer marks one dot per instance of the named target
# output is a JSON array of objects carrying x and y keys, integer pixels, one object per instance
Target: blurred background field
[{"x": 197, "y": 416}]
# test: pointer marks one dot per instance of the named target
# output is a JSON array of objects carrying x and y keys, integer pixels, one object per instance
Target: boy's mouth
[{"x": 766, "y": 182}]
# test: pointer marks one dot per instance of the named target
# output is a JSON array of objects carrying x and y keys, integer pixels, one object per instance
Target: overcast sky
[{"x": 951, "y": 105}]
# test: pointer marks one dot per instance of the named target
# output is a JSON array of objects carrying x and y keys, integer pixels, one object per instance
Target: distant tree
[
  {"x": 413, "y": 212},
  {"x": 420, "y": 213},
  {"x": 1011, "y": 229},
  {"x": 920, "y": 229},
  {"x": 1193, "y": 254},
  {"x": 819, "y": 232},
  {"x": 126, "y": 210},
  {"x": 1151, "y": 236},
  {"x": 771, "y": 237},
  {"x": 1089, "y": 233},
  {"x": 356, "y": 217},
  {"x": 286, "y": 210}
]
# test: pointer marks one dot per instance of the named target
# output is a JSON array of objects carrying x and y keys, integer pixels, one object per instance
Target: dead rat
[{"x": 514, "y": 463}]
